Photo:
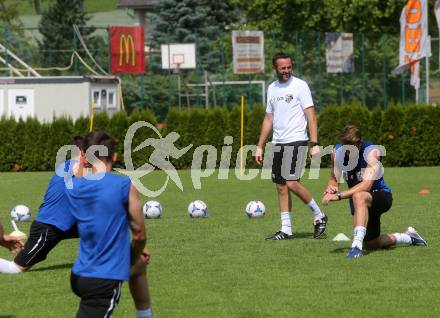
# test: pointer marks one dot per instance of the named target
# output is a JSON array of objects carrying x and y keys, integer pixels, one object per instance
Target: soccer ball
[
  {"x": 21, "y": 213},
  {"x": 152, "y": 210},
  {"x": 198, "y": 209},
  {"x": 255, "y": 209}
]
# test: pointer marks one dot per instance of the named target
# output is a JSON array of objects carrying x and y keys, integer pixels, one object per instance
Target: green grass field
[
  {"x": 222, "y": 267},
  {"x": 25, "y": 7}
]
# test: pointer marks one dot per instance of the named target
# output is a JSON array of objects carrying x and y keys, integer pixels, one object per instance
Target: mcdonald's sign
[{"x": 127, "y": 50}]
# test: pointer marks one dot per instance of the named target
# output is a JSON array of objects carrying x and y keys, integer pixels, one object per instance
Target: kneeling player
[{"x": 368, "y": 193}]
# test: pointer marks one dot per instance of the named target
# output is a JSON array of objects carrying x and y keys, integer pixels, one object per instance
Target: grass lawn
[
  {"x": 26, "y": 7},
  {"x": 222, "y": 267}
]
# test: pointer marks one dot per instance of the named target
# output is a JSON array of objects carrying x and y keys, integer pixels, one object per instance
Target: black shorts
[
  {"x": 382, "y": 202},
  {"x": 42, "y": 239},
  {"x": 99, "y": 297},
  {"x": 288, "y": 161}
]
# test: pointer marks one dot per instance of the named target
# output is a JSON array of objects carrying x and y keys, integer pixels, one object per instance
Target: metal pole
[
  {"x": 427, "y": 71},
  {"x": 178, "y": 90},
  {"x": 206, "y": 90}
]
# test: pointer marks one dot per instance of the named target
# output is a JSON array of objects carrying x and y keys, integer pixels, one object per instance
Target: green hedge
[
  {"x": 32, "y": 146},
  {"x": 410, "y": 134}
]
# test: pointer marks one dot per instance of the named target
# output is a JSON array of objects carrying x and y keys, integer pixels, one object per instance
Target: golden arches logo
[{"x": 127, "y": 43}]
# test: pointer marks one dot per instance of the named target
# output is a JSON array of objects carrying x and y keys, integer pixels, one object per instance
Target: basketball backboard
[{"x": 178, "y": 56}]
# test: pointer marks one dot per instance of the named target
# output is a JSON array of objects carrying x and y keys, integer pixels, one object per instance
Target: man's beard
[{"x": 281, "y": 77}]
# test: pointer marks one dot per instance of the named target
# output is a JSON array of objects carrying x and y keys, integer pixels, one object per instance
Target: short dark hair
[
  {"x": 101, "y": 138},
  {"x": 80, "y": 142},
  {"x": 351, "y": 135},
  {"x": 280, "y": 55}
]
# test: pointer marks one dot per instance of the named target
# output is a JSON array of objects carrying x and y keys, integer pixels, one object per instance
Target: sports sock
[
  {"x": 402, "y": 239},
  {"x": 316, "y": 211},
  {"x": 286, "y": 225},
  {"x": 358, "y": 236},
  {"x": 144, "y": 313},
  {"x": 9, "y": 267}
]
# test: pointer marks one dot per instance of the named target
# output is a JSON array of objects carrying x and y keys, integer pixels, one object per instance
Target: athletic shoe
[
  {"x": 416, "y": 239},
  {"x": 354, "y": 252},
  {"x": 279, "y": 236},
  {"x": 320, "y": 226}
]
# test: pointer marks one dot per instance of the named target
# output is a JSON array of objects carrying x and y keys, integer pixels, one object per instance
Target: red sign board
[{"x": 127, "y": 50}]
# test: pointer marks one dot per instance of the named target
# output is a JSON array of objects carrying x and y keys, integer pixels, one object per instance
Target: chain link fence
[{"x": 372, "y": 83}]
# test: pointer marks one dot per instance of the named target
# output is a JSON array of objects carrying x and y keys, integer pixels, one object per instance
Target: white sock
[
  {"x": 402, "y": 239},
  {"x": 144, "y": 313},
  {"x": 9, "y": 267},
  {"x": 359, "y": 234},
  {"x": 286, "y": 225},
  {"x": 316, "y": 211}
]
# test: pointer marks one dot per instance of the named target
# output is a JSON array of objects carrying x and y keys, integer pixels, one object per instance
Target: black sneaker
[
  {"x": 279, "y": 236},
  {"x": 320, "y": 226}
]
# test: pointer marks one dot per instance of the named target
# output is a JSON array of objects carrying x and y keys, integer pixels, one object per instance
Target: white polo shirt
[{"x": 287, "y": 101}]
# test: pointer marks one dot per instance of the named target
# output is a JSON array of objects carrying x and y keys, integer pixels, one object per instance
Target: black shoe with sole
[
  {"x": 279, "y": 236},
  {"x": 320, "y": 226}
]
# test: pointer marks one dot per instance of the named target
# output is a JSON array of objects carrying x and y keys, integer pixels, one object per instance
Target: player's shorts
[
  {"x": 42, "y": 239},
  {"x": 288, "y": 161},
  {"x": 99, "y": 297},
  {"x": 382, "y": 202}
]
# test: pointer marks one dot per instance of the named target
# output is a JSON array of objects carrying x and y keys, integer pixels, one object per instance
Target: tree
[
  {"x": 286, "y": 16},
  {"x": 9, "y": 16},
  {"x": 193, "y": 21},
  {"x": 56, "y": 27}
]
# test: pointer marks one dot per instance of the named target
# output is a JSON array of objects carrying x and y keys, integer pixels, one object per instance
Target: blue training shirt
[
  {"x": 354, "y": 176},
  {"x": 100, "y": 208},
  {"x": 55, "y": 207}
]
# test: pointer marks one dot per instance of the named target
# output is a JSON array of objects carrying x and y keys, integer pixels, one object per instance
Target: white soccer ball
[
  {"x": 255, "y": 209},
  {"x": 152, "y": 210},
  {"x": 21, "y": 213},
  {"x": 198, "y": 209}
]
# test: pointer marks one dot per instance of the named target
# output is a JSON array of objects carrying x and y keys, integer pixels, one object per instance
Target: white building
[{"x": 46, "y": 98}]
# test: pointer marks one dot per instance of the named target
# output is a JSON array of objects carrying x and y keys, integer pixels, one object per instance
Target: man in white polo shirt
[{"x": 289, "y": 110}]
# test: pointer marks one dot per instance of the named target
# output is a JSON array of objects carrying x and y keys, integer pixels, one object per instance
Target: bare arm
[
  {"x": 136, "y": 224},
  {"x": 369, "y": 176},
  {"x": 312, "y": 123},
  {"x": 266, "y": 128}
]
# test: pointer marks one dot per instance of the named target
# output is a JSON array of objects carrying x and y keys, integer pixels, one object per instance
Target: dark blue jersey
[
  {"x": 354, "y": 176},
  {"x": 55, "y": 208},
  {"x": 100, "y": 209}
]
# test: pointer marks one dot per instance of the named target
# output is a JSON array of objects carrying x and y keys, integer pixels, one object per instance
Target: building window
[
  {"x": 111, "y": 99},
  {"x": 97, "y": 98}
]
